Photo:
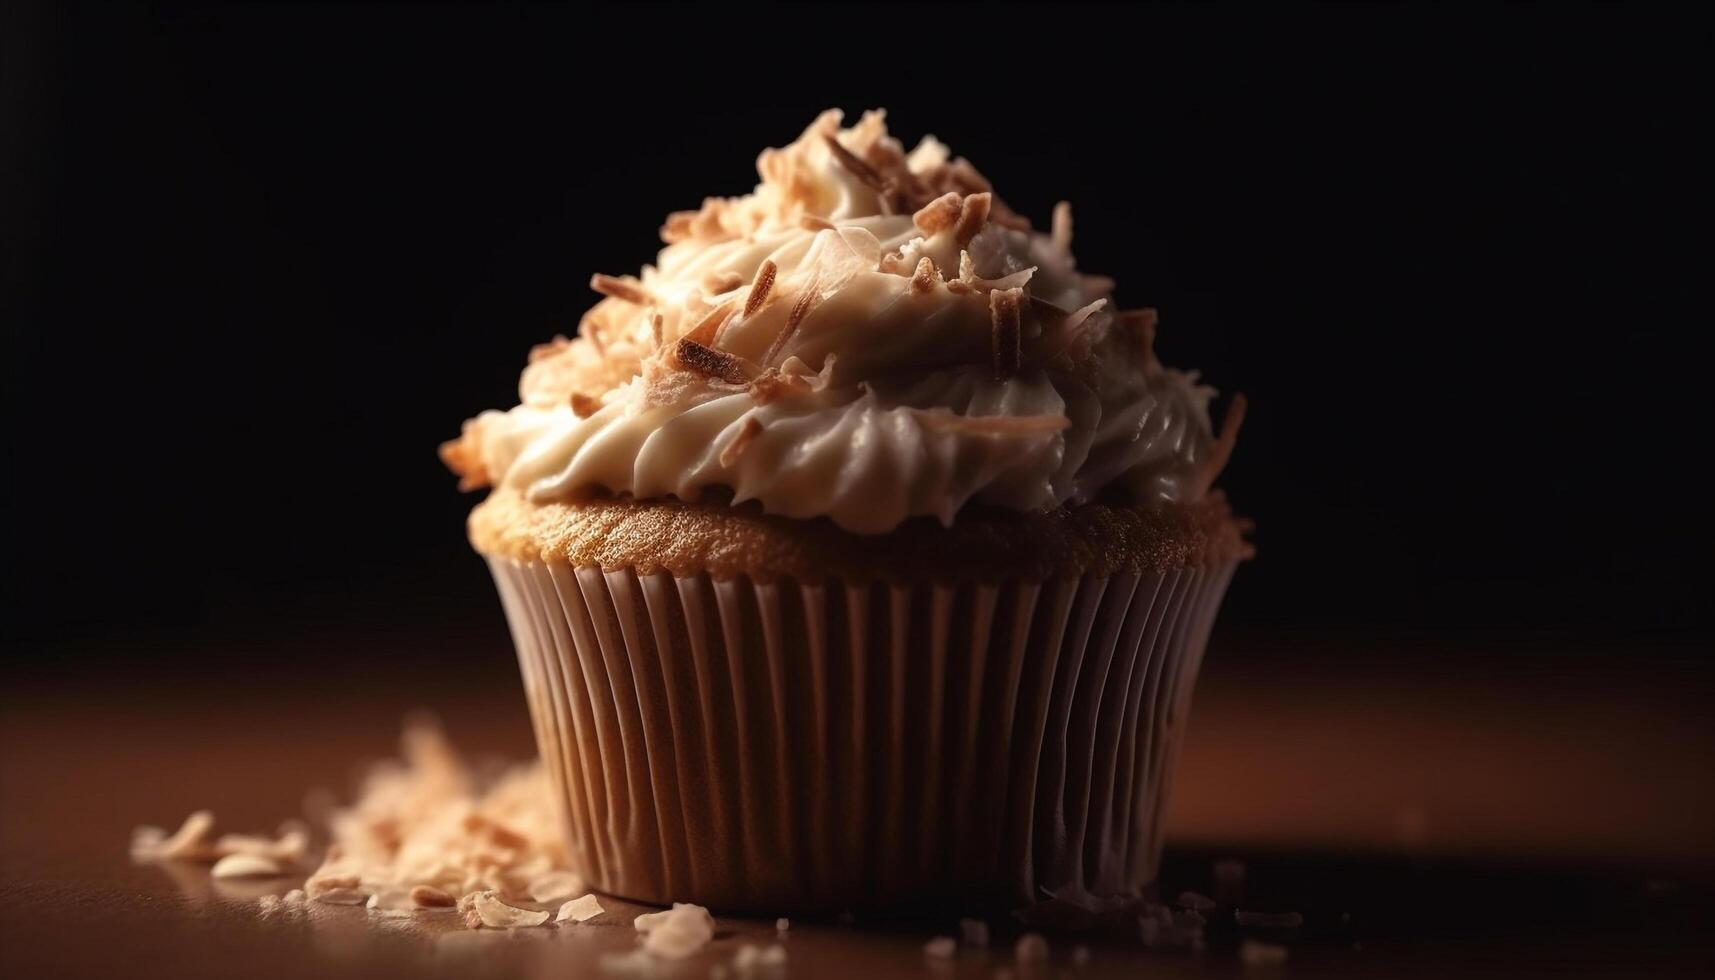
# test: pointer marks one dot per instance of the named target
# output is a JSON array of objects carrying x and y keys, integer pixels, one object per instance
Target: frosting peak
[{"x": 870, "y": 335}]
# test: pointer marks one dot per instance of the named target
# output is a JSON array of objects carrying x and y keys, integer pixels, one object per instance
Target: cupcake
[{"x": 858, "y": 553}]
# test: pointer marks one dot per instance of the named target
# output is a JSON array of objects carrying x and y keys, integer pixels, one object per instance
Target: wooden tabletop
[{"x": 1500, "y": 818}]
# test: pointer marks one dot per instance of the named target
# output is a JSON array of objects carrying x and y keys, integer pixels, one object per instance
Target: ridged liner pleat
[{"x": 791, "y": 747}]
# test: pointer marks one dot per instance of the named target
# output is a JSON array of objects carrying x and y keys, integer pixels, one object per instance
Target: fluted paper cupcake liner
[{"x": 774, "y": 746}]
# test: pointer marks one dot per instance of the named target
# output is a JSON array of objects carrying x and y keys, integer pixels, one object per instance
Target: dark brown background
[{"x": 260, "y": 259}]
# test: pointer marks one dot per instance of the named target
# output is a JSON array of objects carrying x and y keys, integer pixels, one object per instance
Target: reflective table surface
[{"x": 1505, "y": 818}]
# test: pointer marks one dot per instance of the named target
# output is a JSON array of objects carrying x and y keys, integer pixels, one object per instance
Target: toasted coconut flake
[
  {"x": 1224, "y": 443},
  {"x": 625, "y": 288},
  {"x": 940, "y": 214},
  {"x": 580, "y": 910},
  {"x": 146, "y": 841},
  {"x": 391, "y": 900},
  {"x": 554, "y": 886},
  {"x": 593, "y": 328},
  {"x": 583, "y": 406},
  {"x": 715, "y": 283},
  {"x": 852, "y": 162},
  {"x": 927, "y": 277},
  {"x": 549, "y": 349},
  {"x": 943, "y": 420},
  {"x": 295, "y": 897},
  {"x": 656, "y": 326},
  {"x": 712, "y": 363},
  {"x": 1142, "y": 323},
  {"x": 1097, "y": 285},
  {"x": 811, "y": 222},
  {"x": 496, "y": 832},
  {"x": 678, "y": 932},
  {"x": 973, "y": 214},
  {"x": 430, "y": 897},
  {"x": 495, "y": 914},
  {"x": 342, "y": 896},
  {"x": 320, "y": 884},
  {"x": 808, "y": 296},
  {"x": 189, "y": 842},
  {"x": 1015, "y": 280},
  {"x": 708, "y": 328},
  {"x": 1008, "y": 337},
  {"x": 740, "y": 442},
  {"x": 759, "y": 288},
  {"x": 464, "y": 457},
  {"x": 773, "y": 384},
  {"x": 246, "y": 866},
  {"x": 677, "y": 227},
  {"x": 289, "y": 848},
  {"x": 1060, "y": 230},
  {"x": 1071, "y": 334}
]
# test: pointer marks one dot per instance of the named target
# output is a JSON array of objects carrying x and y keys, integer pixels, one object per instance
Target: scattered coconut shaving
[
  {"x": 427, "y": 820},
  {"x": 678, "y": 932},
  {"x": 430, "y": 897},
  {"x": 423, "y": 830},
  {"x": 940, "y": 214},
  {"x": 973, "y": 214},
  {"x": 486, "y": 909},
  {"x": 580, "y": 910},
  {"x": 583, "y": 406},
  {"x": 941, "y": 948},
  {"x": 624, "y": 288},
  {"x": 246, "y": 866}
]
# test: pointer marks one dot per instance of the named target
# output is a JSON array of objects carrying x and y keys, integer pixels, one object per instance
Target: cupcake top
[{"x": 869, "y": 336}]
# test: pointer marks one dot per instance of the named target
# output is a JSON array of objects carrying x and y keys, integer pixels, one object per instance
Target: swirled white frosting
[{"x": 917, "y": 347}]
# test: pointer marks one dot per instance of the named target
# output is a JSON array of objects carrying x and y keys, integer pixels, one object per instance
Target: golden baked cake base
[{"x": 985, "y": 544}]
